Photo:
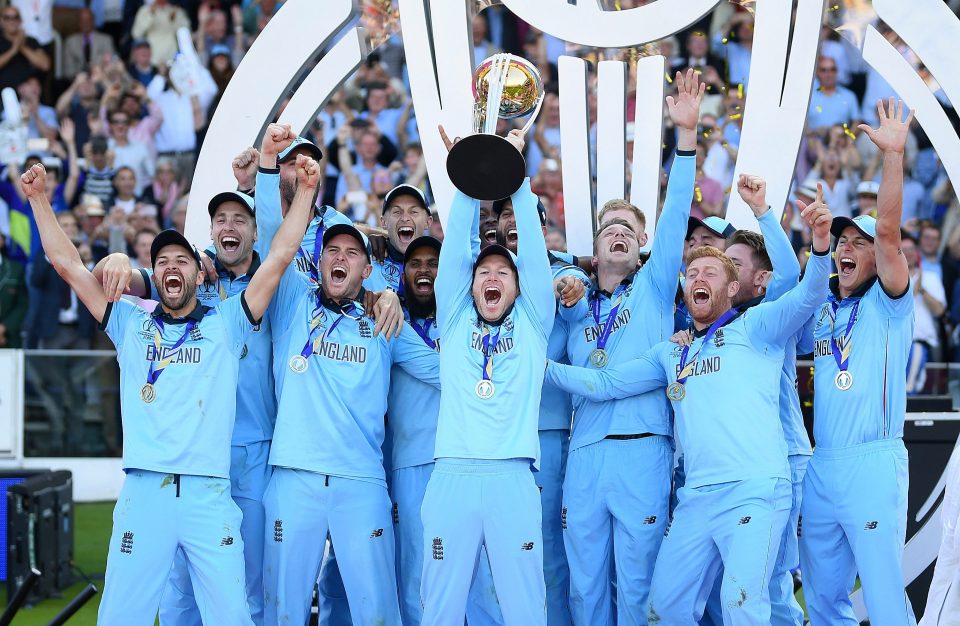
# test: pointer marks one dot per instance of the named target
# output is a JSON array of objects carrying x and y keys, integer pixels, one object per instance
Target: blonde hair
[
  {"x": 710, "y": 251},
  {"x": 622, "y": 205}
]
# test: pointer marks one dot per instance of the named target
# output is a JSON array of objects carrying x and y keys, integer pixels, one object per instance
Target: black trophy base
[{"x": 486, "y": 167}]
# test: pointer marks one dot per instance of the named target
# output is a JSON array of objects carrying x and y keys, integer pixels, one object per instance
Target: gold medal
[
  {"x": 676, "y": 392},
  {"x": 843, "y": 381},
  {"x": 148, "y": 393},
  {"x": 485, "y": 389},
  {"x": 599, "y": 357},
  {"x": 299, "y": 364}
]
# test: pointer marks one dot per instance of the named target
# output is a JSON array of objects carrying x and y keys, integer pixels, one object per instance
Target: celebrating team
[{"x": 254, "y": 398}]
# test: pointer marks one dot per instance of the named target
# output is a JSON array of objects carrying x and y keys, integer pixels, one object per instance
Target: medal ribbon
[
  {"x": 310, "y": 347},
  {"x": 489, "y": 346},
  {"x": 424, "y": 331},
  {"x": 315, "y": 258},
  {"x": 156, "y": 368},
  {"x": 686, "y": 369},
  {"x": 842, "y": 356},
  {"x": 607, "y": 328}
]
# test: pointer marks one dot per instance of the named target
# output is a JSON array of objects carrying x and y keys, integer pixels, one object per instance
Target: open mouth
[
  {"x": 406, "y": 234},
  {"x": 230, "y": 243},
  {"x": 512, "y": 235},
  {"x": 491, "y": 296},
  {"x": 173, "y": 285},
  {"x": 423, "y": 284},
  {"x": 700, "y": 295},
  {"x": 846, "y": 266},
  {"x": 490, "y": 235},
  {"x": 338, "y": 274},
  {"x": 619, "y": 246}
]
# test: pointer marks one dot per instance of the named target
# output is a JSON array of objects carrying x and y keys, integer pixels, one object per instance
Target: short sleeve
[
  {"x": 292, "y": 286},
  {"x": 894, "y": 305},
  {"x": 116, "y": 318}
]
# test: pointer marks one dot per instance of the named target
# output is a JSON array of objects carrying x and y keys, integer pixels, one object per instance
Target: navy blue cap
[
  {"x": 171, "y": 237},
  {"x": 231, "y": 196},
  {"x": 424, "y": 241},
  {"x": 347, "y": 229}
]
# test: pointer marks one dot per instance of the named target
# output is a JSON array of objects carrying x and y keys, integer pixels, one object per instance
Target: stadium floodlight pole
[
  {"x": 20, "y": 597},
  {"x": 75, "y": 605}
]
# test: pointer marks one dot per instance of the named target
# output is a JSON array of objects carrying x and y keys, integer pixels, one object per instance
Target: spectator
[
  {"x": 13, "y": 299},
  {"x": 212, "y": 34},
  {"x": 548, "y": 184},
  {"x": 697, "y": 55},
  {"x": 356, "y": 183},
  {"x": 482, "y": 48},
  {"x": 734, "y": 44},
  {"x": 20, "y": 56},
  {"x": 76, "y": 103},
  {"x": 163, "y": 191},
  {"x": 708, "y": 193},
  {"x": 929, "y": 245},
  {"x": 124, "y": 190},
  {"x": 41, "y": 120},
  {"x": 130, "y": 154},
  {"x": 141, "y": 66},
  {"x": 830, "y": 104},
  {"x": 83, "y": 48},
  {"x": 556, "y": 242},
  {"x": 379, "y": 113},
  {"x": 546, "y": 134},
  {"x": 838, "y": 185},
  {"x": 98, "y": 176},
  {"x": 178, "y": 217},
  {"x": 141, "y": 249},
  {"x": 158, "y": 23},
  {"x": 90, "y": 215},
  {"x": 144, "y": 115},
  {"x": 930, "y": 303},
  {"x": 221, "y": 68},
  {"x": 37, "y": 16},
  {"x": 867, "y": 197}
]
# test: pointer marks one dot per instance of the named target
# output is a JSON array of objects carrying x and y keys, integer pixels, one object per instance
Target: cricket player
[
  {"x": 235, "y": 258},
  {"x": 177, "y": 423},
  {"x": 766, "y": 268},
  {"x": 616, "y": 492},
  {"x": 736, "y": 500},
  {"x": 711, "y": 231},
  {"x": 556, "y": 410},
  {"x": 495, "y": 314},
  {"x": 855, "y": 491},
  {"x": 405, "y": 217}
]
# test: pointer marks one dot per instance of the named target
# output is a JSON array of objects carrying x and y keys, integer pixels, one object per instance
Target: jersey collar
[
  {"x": 196, "y": 314},
  {"x": 338, "y": 308},
  {"x": 395, "y": 255},
  {"x": 628, "y": 279},
  {"x": 750, "y": 304},
  {"x": 223, "y": 271},
  {"x": 859, "y": 292}
]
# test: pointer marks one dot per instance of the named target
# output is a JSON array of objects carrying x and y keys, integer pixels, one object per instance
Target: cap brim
[
  {"x": 694, "y": 222},
  {"x": 229, "y": 196},
  {"x": 424, "y": 241},
  {"x": 315, "y": 153},
  {"x": 841, "y": 223},
  {"x": 171, "y": 237},
  {"x": 346, "y": 229},
  {"x": 403, "y": 190},
  {"x": 495, "y": 249}
]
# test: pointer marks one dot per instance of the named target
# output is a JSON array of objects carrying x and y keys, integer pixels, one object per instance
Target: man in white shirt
[
  {"x": 132, "y": 154},
  {"x": 930, "y": 303}
]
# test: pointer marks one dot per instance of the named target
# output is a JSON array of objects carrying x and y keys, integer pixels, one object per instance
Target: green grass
[{"x": 91, "y": 537}]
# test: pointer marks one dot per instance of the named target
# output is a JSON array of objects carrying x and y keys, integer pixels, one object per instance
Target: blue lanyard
[
  {"x": 489, "y": 347},
  {"x": 424, "y": 331},
  {"x": 842, "y": 355},
  {"x": 317, "y": 249},
  {"x": 684, "y": 374},
  {"x": 155, "y": 369},
  {"x": 607, "y": 328}
]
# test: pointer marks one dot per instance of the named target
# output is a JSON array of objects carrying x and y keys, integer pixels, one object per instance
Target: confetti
[
  {"x": 735, "y": 116},
  {"x": 740, "y": 91},
  {"x": 848, "y": 132},
  {"x": 667, "y": 75},
  {"x": 697, "y": 193}
]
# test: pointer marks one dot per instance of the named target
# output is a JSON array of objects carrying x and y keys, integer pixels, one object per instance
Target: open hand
[
  {"x": 685, "y": 107},
  {"x": 891, "y": 136}
]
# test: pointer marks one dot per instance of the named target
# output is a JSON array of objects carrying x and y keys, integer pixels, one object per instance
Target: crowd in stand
[{"x": 92, "y": 81}]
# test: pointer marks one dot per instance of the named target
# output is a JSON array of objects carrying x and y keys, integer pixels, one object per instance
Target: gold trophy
[{"x": 485, "y": 166}]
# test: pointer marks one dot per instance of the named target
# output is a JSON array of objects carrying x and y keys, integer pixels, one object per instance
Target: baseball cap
[
  {"x": 347, "y": 229},
  {"x": 868, "y": 188},
  {"x": 171, "y": 237},
  {"x": 866, "y": 225},
  {"x": 220, "y": 49},
  {"x": 716, "y": 225},
  {"x": 493, "y": 249},
  {"x": 300, "y": 142},
  {"x": 403, "y": 190},
  {"x": 424, "y": 241},
  {"x": 498, "y": 206},
  {"x": 228, "y": 196},
  {"x": 807, "y": 188},
  {"x": 93, "y": 205}
]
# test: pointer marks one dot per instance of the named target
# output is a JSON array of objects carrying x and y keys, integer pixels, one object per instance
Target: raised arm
[
  {"x": 269, "y": 212},
  {"x": 287, "y": 241},
  {"x": 786, "y": 268},
  {"x": 667, "y": 253},
  {"x": 890, "y": 139},
  {"x": 58, "y": 248},
  {"x": 774, "y": 322},
  {"x": 533, "y": 266},
  {"x": 119, "y": 278},
  {"x": 632, "y": 378},
  {"x": 456, "y": 259}
]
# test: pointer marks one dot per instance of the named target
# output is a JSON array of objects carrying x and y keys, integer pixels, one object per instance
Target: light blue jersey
[
  {"x": 556, "y": 405},
  {"x": 878, "y": 342},
  {"x": 256, "y": 403},
  {"x": 387, "y": 273},
  {"x": 330, "y": 415},
  {"x": 503, "y": 426},
  {"x": 740, "y": 368},
  {"x": 644, "y": 319},
  {"x": 414, "y": 404},
  {"x": 186, "y": 428}
]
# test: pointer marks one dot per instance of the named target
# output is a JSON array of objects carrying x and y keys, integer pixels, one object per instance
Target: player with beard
[
  {"x": 724, "y": 389},
  {"x": 712, "y": 231},
  {"x": 616, "y": 493},
  {"x": 855, "y": 491},
  {"x": 766, "y": 268},
  {"x": 495, "y": 313},
  {"x": 234, "y": 233},
  {"x": 332, "y": 376},
  {"x": 405, "y": 217},
  {"x": 174, "y": 362},
  {"x": 556, "y": 409}
]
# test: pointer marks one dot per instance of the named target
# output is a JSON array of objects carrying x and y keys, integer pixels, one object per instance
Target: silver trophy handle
[{"x": 533, "y": 116}]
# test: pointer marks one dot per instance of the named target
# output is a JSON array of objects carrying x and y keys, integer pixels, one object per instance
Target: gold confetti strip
[
  {"x": 735, "y": 116},
  {"x": 848, "y": 132},
  {"x": 667, "y": 75},
  {"x": 740, "y": 91},
  {"x": 697, "y": 193}
]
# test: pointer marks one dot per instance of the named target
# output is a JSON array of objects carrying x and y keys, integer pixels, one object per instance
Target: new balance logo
[
  {"x": 870, "y": 526},
  {"x": 278, "y": 531},
  {"x": 226, "y": 541},
  {"x": 563, "y": 518},
  {"x": 650, "y": 520},
  {"x": 437, "y": 549},
  {"x": 744, "y": 520},
  {"x": 126, "y": 544},
  {"x": 377, "y": 533},
  {"x": 527, "y": 546},
  {"x": 396, "y": 514}
]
